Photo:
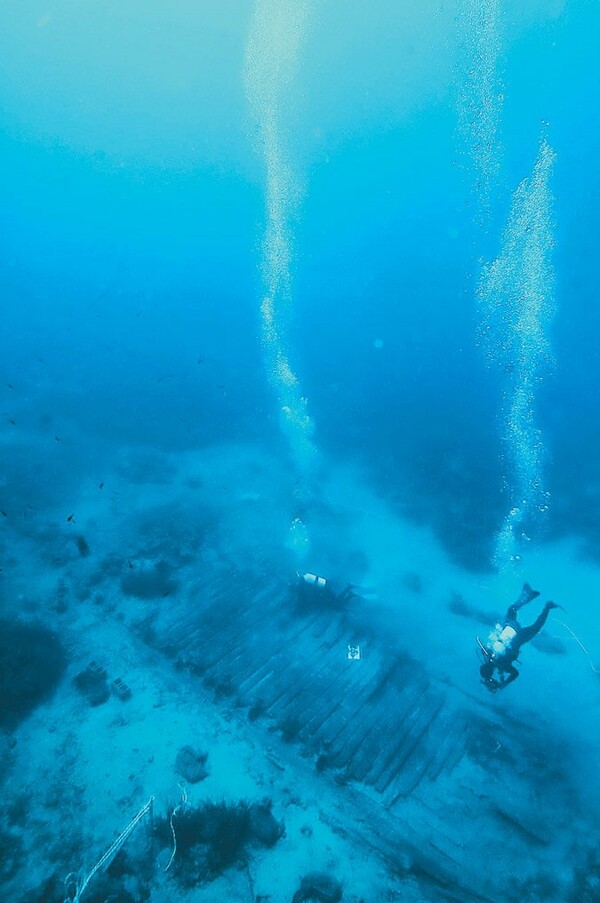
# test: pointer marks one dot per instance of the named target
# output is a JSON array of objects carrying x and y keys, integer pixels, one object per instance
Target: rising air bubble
[
  {"x": 481, "y": 100},
  {"x": 276, "y": 33},
  {"x": 516, "y": 302}
]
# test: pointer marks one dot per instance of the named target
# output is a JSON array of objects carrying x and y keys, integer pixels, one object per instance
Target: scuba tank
[
  {"x": 500, "y": 639},
  {"x": 313, "y": 580}
]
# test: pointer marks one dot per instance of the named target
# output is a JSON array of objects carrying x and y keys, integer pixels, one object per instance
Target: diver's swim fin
[{"x": 527, "y": 594}]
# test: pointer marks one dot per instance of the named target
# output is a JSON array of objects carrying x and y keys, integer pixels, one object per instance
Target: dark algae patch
[{"x": 32, "y": 662}]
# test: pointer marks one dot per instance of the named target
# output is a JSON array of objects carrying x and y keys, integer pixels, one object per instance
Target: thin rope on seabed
[
  {"x": 179, "y": 808},
  {"x": 580, "y": 644}
]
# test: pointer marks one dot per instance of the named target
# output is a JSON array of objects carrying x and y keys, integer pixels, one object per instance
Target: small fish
[
  {"x": 101, "y": 485},
  {"x": 3, "y": 513},
  {"x": 71, "y": 518},
  {"x": 57, "y": 438}
]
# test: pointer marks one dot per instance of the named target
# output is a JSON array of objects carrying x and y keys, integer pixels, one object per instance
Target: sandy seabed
[{"x": 74, "y": 775}]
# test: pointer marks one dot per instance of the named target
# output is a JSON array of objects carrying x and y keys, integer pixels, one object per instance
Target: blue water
[{"x": 133, "y": 212}]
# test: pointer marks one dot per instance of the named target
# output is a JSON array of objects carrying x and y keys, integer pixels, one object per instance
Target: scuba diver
[
  {"x": 314, "y": 591},
  {"x": 505, "y": 641}
]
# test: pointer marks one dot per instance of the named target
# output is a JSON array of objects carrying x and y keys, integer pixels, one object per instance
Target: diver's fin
[{"x": 527, "y": 594}]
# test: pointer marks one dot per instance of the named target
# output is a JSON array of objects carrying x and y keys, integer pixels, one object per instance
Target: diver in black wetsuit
[
  {"x": 504, "y": 643},
  {"x": 314, "y": 591}
]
